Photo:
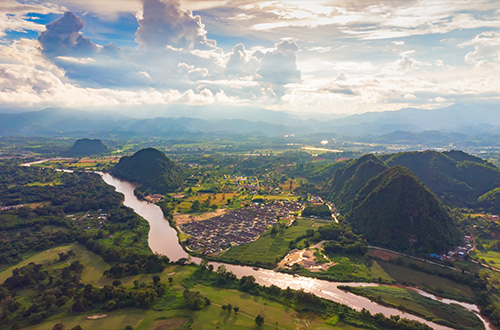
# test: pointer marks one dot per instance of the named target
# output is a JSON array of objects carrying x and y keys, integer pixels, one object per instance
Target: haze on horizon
[{"x": 300, "y": 56}]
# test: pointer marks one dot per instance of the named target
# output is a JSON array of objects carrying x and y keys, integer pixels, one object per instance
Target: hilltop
[
  {"x": 397, "y": 211},
  {"x": 152, "y": 169},
  {"x": 457, "y": 178},
  {"x": 87, "y": 147}
]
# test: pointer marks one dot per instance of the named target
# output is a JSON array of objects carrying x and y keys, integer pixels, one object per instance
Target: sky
[{"x": 327, "y": 57}]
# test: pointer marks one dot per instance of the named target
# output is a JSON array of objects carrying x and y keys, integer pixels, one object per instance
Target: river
[{"x": 163, "y": 240}]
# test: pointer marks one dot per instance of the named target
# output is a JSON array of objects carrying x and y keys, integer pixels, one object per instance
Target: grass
[
  {"x": 431, "y": 283},
  {"x": 490, "y": 257},
  {"x": 211, "y": 317},
  {"x": 447, "y": 314},
  {"x": 94, "y": 264},
  {"x": 377, "y": 272},
  {"x": 44, "y": 257},
  {"x": 267, "y": 249}
]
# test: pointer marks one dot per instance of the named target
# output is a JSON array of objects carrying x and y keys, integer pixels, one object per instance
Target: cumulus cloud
[
  {"x": 240, "y": 63},
  {"x": 486, "y": 47},
  {"x": 279, "y": 66},
  {"x": 63, "y": 37},
  {"x": 165, "y": 23}
]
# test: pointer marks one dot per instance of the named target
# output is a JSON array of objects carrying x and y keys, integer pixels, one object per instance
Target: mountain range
[{"x": 479, "y": 124}]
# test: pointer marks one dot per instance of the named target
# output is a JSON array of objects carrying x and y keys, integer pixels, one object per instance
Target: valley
[{"x": 278, "y": 187}]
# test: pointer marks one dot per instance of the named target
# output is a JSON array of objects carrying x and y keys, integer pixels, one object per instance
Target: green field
[
  {"x": 490, "y": 257},
  {"x": 434, "y": 284},
  {"x": 447, "y": 314},
  {"x": 211, "y": 317},
  {"x": 92, "y": 273},
  {"x": 267, "y": 249}
]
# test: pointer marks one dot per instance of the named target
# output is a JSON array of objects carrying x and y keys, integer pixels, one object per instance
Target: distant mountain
[
  {"x": 150, "y": 168},
  {"x": 87, "y": 147},
  {"x": 476, "y": 124},
  {"x": 397, "y": 211},
  {"x": 450, "y": 118}
]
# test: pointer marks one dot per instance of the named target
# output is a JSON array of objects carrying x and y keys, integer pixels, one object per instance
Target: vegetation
[
  {"x": 272, "y": 246},
  {"x": 151, "y": 168},
  {"x": 321, "y": 211},
  {"x": 451, "y": 315},
  {"x": 395, "y": 210},
  {"x": 87, "y": 147}
]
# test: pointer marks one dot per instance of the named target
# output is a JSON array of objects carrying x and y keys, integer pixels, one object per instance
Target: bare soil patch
[
  {"x": 181, "y": 219},
  {"x": 381, "y": 254},
  {"x": 96, "y": 317},
  {"x": 306, "y": 259}
]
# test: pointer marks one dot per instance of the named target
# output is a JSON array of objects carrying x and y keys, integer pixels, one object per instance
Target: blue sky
[{"x": 341, "y": 56}]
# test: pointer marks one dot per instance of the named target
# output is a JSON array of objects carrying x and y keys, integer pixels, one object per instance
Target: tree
[
  {"x": 236, "y": 309},
  {"x": 229, "y": 308},
  {"x": 78, "y": 327},
  {"x": 58, "y": 326},
  {"x": 259, "y": 320},
  {"x": 170, "y": 280},
  {"x": 156, "y": 279}
]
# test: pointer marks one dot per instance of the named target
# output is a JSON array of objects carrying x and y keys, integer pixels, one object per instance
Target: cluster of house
[
  {"x": 236, "y": 227},
  {"x": 458, "y": 253}
]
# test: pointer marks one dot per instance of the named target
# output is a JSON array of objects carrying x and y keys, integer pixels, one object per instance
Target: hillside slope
[
  {"x": 152, "y": 169},
  {"x": 397, "y": 211},
  {"x": 87, "y": 147}
]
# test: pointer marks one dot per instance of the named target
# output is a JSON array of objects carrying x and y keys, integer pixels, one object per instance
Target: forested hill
[
  {"x": 348, "y": 181},
  {"x": 397, "y": 211},
  {"x": 87, "y": 147},
  {"x": 152, "y": 169},
  {"x": 455, "y": 177}
]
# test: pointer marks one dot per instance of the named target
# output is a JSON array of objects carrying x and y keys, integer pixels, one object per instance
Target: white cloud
[
  {"x": 164, "y": 22},
  {"x": 486, "y": 47},
  {"x": 279, "y": 66}
]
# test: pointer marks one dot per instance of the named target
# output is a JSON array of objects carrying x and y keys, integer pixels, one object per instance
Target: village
[{"x": 236, "y": 227}]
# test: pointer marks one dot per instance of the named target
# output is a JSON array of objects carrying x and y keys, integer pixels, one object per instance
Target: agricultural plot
[
  {"x": 434, "y": 284},
  {"x": 269, "y": 249},
  {"x": 447, "y": 314}
]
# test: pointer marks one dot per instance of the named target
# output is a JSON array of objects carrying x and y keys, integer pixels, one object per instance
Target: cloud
[
  {"x": 63, "y": 37},
  {"x": 165, "y": 23},
  {"x": 486, "y": 47},
  {"x": 279, "y": 66},
  {"x": 240, "y": 63},
  {"x": 13, "y": 16}
]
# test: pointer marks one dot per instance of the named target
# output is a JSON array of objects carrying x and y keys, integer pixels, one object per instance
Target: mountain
[
  {"x": 397, "y": 211},
  {"x": 490, "y": 202},
  {"x": 348, "y": 181},
  {"x": 457, "y": 178},
  {"x": 150, "y": 168},
  {"x": 450, "y": 118},
  {"x": 87, "y": 147}
]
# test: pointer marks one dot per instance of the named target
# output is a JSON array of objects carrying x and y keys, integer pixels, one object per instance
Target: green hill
[
  {"x": 457, "y": 178},
  {"x": 152, "y": 169},
  {"x": 348, "y": 181},
  {"x": 490, "y": 202},
  {"x": 397, "y": 211},
  {"x": 87, "y": 147}
]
